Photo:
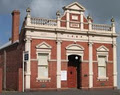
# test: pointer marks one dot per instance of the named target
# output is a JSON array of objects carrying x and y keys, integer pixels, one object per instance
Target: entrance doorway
[{"x": 74, "y": 71}]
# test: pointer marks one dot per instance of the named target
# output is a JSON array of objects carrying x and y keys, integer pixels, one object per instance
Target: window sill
[
  {"x": 43, "y": 79},
  {"x": 102, "y": 78}
]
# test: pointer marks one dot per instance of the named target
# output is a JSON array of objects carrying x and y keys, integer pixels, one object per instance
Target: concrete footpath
[{"x": 67, "y": 92}]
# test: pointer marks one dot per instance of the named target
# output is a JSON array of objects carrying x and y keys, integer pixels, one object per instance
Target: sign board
[
  {"x": 26, "y": 56},
  {"x": 74, "y": 25},
  {"x": 64, "y": 75}
]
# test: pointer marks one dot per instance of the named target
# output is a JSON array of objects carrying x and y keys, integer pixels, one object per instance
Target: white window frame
[
  {"x": 43, "y": 50},
  {"x": 102, "y": 51},
  {"x": 102, "y": 77},
  {"x": 41, "y": 65}
]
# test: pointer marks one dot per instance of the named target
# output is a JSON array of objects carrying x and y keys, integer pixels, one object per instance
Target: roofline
[{"x": 3, "y": 47}]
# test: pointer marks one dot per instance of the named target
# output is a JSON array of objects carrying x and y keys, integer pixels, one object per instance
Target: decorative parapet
[
  {"x": 101, "y": 27},
  {"x": 41, "y": 22},
  {"x": 45, "y": 22}
]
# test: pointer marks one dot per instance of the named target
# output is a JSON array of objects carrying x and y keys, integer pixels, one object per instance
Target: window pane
[
  {"x": 42, "y": 72},
  {"x": 101, "y": 61},
  {"x": 42, "y": 65},
  {"x": 43, "y": 59},
  {"x": 101, "y": 66},
  {"x": 102, "y": 72}
]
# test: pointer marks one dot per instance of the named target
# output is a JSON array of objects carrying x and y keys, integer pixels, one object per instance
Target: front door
[
  {"x": 73, "y": 73},
  {"x": 72, "y": 76}
]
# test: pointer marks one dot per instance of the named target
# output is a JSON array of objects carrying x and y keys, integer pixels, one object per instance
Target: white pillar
[
  {"x": 82, "y": 21},
  {"x": 90, "y": 65},
  {"x": 58, "y": 18},
  {"x": 28, "y": 17},
  {"x": 89, "y": 24},
  {"x": 113, "y": 25},
  {"x": 68, "y": 19},
  {"x": 115, "y": 64},
  {"x": 28, "y": 71},
  {"x": 58, "y": 64},
  {"x": 58, "y": 23}
]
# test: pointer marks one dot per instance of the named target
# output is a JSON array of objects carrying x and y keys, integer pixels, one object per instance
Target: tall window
[
  {"x": 101, "y": 66},
  {"x": 42, "y": 66}
]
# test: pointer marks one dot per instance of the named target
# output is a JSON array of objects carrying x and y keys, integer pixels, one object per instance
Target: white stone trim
[
  {"x": 76, "y": 51},
  {"x": 43, "y": 80},
  {"x": 78, "y": 7},
  {"x": 74, "y": 12},
  {"x": 103, "y": 51},
  {"x": 28, "y": 65},
  {"x": 52, "y": 36},
  {"x": 73, "y": 39},
  {"x": 102, "y": 78},
  {"x": 43, "y": 45},
  {"x": 68, "y": 19},
  {"x": 75, "y": 47},
  {"x": 90, "y": 65},
  {"x": 105, "y": 54},
  {"x": 28, "y": 20},
  {"x": 82, "y": 21},
  {"x": 43, "y": 50},
  {"x": 90, "y": 25},
  {"x": 115, "y": 64},
  {"x": 58, "y": 64}
]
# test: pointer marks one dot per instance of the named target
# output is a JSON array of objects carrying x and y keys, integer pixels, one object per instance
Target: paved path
[{"x": 67, "y": 92}]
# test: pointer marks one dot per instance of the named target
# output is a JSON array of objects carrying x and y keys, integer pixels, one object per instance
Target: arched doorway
[{"x": 74, "y": 71}]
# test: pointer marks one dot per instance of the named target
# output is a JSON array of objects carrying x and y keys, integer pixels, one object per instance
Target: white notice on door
[{"x": 64, "y": 75}]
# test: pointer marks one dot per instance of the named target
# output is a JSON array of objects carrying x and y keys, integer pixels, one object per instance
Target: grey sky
[{"x": 100, "y": 10}]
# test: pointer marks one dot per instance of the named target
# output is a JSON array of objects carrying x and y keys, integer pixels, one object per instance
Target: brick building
[{"x": 68, "y": 52}]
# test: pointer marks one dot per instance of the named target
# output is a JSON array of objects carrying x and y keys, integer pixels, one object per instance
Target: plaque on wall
[
  {"x": 63, "y": 75},
  {"x": 74, "y": 17},
  {"x": 74, "y": 25}
]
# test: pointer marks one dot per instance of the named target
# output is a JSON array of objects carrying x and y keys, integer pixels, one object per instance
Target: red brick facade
[
  {"x": 13, "y": 63},
  {"x": 20, "y": 80},
  {"x": 84, "y": 65},
  {"x": 108, "y": 83}
]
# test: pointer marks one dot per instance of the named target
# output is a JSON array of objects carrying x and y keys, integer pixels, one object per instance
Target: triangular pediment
[
  {"x": 43, "y": 45},
  {"x": 102, "y": 49},
  {"x": 74, "y": 6},
  {"x": 75, "y": 47}
]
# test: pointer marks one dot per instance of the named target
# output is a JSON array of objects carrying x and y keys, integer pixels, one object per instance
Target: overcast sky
[{"x": 100, "y": 10}]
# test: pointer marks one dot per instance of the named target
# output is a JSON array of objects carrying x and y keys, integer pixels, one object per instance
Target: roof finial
[
  {"x": 89, "y": 17},
  {"x": 28, "y": 10},
  {"x": 58, "y": 13},
  {"x": 112, "y": 19}
]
